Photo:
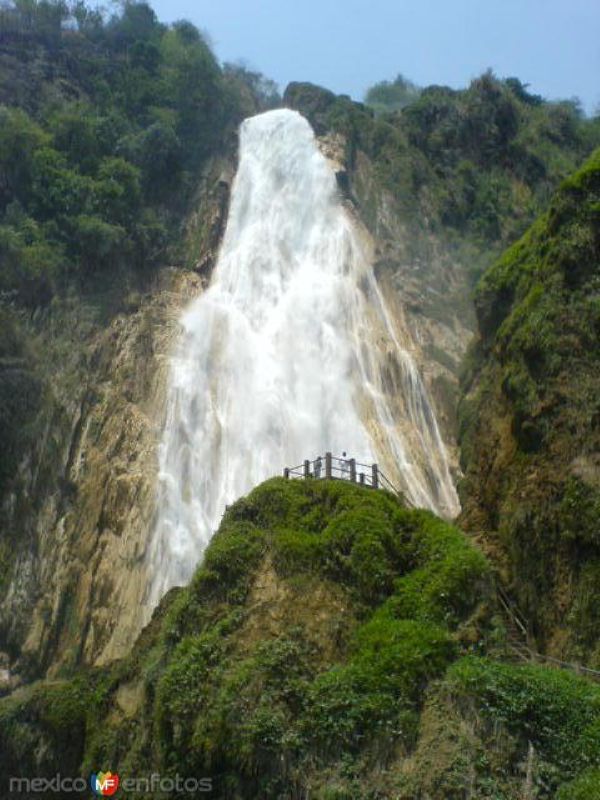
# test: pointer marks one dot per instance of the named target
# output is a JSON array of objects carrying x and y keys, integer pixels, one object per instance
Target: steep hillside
[
  {"x": 530, "y": 421},
  {"x": 333, "y": 645}
]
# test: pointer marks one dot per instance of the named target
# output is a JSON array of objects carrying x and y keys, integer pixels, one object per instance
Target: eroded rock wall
[{"x": 79, "y": 511}]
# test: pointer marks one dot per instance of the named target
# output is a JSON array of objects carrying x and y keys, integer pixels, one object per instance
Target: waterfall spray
[{"x": 290, "y": 352}]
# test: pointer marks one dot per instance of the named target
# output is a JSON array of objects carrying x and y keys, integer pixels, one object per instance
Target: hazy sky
[{"x": 346, "y": 45}]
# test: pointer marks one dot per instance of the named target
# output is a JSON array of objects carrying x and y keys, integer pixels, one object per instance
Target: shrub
[{"x": 554, "y": 710}]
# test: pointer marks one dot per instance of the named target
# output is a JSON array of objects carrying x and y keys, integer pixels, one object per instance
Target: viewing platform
[{"x": 343, "y": 468}]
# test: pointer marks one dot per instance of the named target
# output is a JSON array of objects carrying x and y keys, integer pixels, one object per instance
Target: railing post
[
  {"x": 328, "y": 469},
  {"x": 306, "y": 468},
  {"x": 286, "y": 472},
  {"x": 375, "y": 476},
  {"x": 362, "y": 478},
  {"x": 353, "y": 470}
]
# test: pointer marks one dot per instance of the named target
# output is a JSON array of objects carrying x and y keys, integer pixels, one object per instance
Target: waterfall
[{"x": 290, "y": 352}]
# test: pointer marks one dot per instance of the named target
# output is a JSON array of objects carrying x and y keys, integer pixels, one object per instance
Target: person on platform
[
  {"x": 345, "y": 466},
  {"x": 317, "y": 470}
]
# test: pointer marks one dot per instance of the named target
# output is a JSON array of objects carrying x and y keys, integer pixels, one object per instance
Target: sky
[{"x": 346, "y": 46}]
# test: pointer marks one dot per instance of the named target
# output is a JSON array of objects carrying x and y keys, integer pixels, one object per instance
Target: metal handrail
[
  {"x": 336, "y": 467},
  {"x": 385, "y": 479},
  {"x": 522, "y": 624},
  {"x": 338, "y": 470}
]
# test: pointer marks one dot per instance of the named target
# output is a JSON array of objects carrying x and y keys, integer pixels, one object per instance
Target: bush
[
  {"x": 554, "y": 710},
  {"x": 586, "y": 787}
]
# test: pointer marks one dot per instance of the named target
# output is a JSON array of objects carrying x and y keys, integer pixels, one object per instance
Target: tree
[
  {"x": 387, "y": 96},
  {"x": 89, "y": 20},
  {"x": 193, "y": 86},
  {"x": 136, "y": 22},
  {"x": 75, "y": 133},
  {"x": 261, "y": 88},
  {"x": 160, "y": 157},
  {"x": 519, "y": 89},
  {"x": 57, "y": 191},
  {"x": 45, "y": 17},
  {"x": 99, "y": 244},
  {"x": 117, "y": 190},
  {"x": 20, "y": 137}
]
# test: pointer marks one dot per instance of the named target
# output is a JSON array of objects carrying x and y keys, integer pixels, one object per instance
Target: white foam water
[{"x": 290, "y": 352}]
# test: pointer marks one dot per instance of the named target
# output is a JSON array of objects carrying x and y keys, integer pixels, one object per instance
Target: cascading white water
[{"x": 290, "y": 352}]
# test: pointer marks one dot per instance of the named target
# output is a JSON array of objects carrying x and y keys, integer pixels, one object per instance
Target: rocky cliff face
[
  {"x": 444, "y": 186},
  {"x": 78, "y": 511},
  {"x": 530, "y": 431},
  {"x": 436, "y": 341},
  {"x": 428, "y": 288}
]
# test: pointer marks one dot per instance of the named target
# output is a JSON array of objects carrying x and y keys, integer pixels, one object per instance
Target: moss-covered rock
[
  {"x": 303, "y": 645},
  {"x": 332, "y": 642},
  {"x": 529, "y": 420},
  {"x": 497, "y": 730}
]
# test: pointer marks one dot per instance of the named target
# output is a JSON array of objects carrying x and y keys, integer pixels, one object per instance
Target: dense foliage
[
  {"x": 531, "y": 416},
  {"x": 387, "y": 96},
  {"x": 550, "y": 715},
  {"x": 98, "y": 161},
  {"x": 106, "y": 126},
  {"x": 474, "y": 166}
]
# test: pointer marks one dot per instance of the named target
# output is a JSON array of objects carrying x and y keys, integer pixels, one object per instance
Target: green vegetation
[
  {"x": 332, "y": 641},
  {"x": 98, "y": 165},
  {"x": 387, "y": 96},
  {"x": 587, "y": 787},
  {"x": 530, "y": 416},
  {"x": 107, "y": 123},
  {"x": 299, "y": 644},
  {"x": 553, "y": 710},
  {"x": 19, "y": 395},
  {"x": 501, "y": 731},
  {"x": 477, "y": 164}
]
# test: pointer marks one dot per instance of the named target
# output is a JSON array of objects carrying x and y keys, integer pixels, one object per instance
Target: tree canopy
[
  {"x": 98, "y": 157},
  {"x": 387, "y": 96}
]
